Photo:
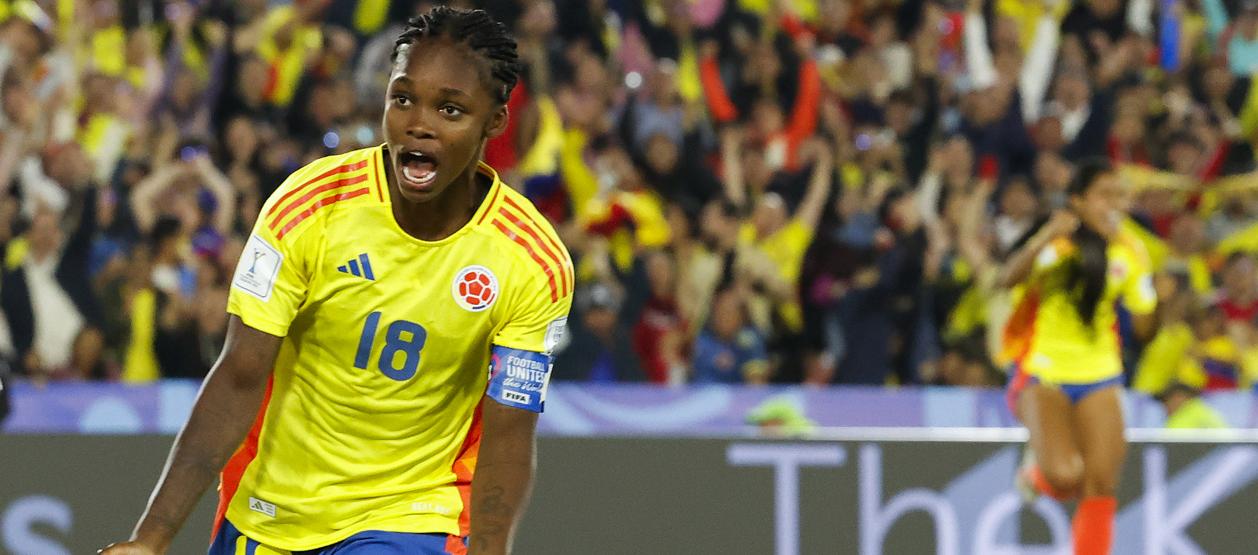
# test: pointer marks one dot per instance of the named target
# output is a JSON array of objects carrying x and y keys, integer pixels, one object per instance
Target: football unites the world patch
[{"x": 475, "y": 288}]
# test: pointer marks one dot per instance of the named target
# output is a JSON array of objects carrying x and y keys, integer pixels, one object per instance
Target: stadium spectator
[
  {"x": 1185, "y": 410},
  {"x": 729, "y": 350},
  {"x": 855, "y": 170}
]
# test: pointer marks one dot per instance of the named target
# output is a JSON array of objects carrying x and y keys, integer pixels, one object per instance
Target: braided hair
[{"x": 476, "y": 29}]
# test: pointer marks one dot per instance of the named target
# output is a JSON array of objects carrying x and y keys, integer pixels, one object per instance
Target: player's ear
[{"x": 497, "y": 122}]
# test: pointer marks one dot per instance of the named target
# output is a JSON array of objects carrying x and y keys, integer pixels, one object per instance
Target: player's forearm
[
  {"x": 1022, "y": 261},
  {"x": 504, "y": 477},
  {"x": 220, "y": 419}
]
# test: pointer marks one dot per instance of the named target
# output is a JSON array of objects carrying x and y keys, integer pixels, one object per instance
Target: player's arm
[
  {"x": 1020, "y": 264},
  {"x": 224, "y": 411},
  {"x": 515, "y": 396},
  {"x": 504, "y": 476}
]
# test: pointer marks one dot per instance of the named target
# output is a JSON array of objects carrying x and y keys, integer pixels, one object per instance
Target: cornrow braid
[{"x": 479, "y": 31}]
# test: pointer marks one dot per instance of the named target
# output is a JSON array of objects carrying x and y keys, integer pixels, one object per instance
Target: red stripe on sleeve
[
  {"x": 563, "y": 276},
  {"x": 550, "y": 272},
  {"x": 339, "y": 169},
  {"x": 343, "y": 182},
  {"x": 316, "y": 206},
  {"x": 380, "y": 181}
]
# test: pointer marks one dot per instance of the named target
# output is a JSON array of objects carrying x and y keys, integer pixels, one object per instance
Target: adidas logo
[{"x": 358, "y": 267}]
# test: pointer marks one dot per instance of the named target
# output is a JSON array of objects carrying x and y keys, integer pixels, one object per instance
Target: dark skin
[
  {"x": 449, "y": 113},
  {"x": 1080, "y": 448}
]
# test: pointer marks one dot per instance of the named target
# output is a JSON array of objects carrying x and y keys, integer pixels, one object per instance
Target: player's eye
[
  {"x": 401, "y": 100},
  {"x": 451, "y": 110}
]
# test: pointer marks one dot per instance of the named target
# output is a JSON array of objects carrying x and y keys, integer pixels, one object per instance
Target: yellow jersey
[
  {"x": 390, "y": 343},
  {"x": 1047, "y": 338},
  {"x": 785, "y": 247}
]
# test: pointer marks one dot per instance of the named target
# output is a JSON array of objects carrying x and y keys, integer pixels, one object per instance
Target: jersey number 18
[{"x": 403, "y": 340}]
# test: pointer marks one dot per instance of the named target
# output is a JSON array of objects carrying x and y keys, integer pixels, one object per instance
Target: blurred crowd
[{"x": 815, "y": 191}]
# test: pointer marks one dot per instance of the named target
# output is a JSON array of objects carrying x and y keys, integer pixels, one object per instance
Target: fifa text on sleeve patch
[
  {"x": 519, "y": 378},
  {"x": 258, "y": 267}
]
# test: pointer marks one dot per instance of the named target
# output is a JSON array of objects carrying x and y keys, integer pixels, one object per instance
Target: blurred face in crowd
[
  {"x": 616, "y": 165},
  {"x": 727, "y": 314},
  {"x": 883, "y": 32},
  {"x": 1100, "y": 205},
  {"x": 539, "y": 19},
  {"x": 16, "y": 98},
  {"x": 661, "y": 154},
  {"x": 1217, "y": 82},
  {"x": 1072, "y": 91},
  {"x": 438, "y": 114},
  {"x": 1052, "y": 172},
  {"x": 252, "y": 80},
  {"x": 1129, "y": 128},
  {"x": 242, "y": 139},
  {"x": 960, "y": 158},
  {"x": 184, "y": 90},
  {"x": 719, "y": 229},
  {"x": 767, "y": 117},
  {"x": 1018, "y": 200},
  {"x": 601, "y": 321},
  {"x": 68, "y": 165},
  {"x": 101, "y": 92},
  {"x": 24, "y": 39},
  {"x": 1238, "y": 278},
  {"x": 834, "y": 15},
  {"x": 1209, "y": 323},
  {"x": 1005, "y": 34},
  {"x": 1188, "y": 234},
  {"x": 1104, "y": 8},
  {"x": 899, "y": 115},
  {"x": 1048, "y": 134},
  {"x": 1183, "y": 157},
  {"x": 663, "y": 82},
  {"x": 769, "y": 214},
  {"x": 756, "y": 169}
]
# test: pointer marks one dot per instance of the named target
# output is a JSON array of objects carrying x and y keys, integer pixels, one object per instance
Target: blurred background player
[{"x": 1066, "y": 352}]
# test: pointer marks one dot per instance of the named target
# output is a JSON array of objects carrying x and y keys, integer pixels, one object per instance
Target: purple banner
[{"x": 574, "y": 409}]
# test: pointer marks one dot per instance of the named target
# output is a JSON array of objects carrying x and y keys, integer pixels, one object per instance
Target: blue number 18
[{"x": 403, "y": 340}]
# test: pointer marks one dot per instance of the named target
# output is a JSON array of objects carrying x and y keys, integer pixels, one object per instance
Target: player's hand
[
  {"x": 128, "y": 548},
  {"x": 1062, "y": 223}
]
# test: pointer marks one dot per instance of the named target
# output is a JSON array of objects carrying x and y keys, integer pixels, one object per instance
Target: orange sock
[
  {"x": 1041, "y": 484},
  {"x": 1094, "y": 525}
]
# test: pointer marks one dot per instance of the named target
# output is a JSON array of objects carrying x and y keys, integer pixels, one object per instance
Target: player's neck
[{"x": 440, "y": 217}]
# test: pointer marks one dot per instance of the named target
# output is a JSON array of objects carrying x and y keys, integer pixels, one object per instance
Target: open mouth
[{"x": 417, "y": 168}]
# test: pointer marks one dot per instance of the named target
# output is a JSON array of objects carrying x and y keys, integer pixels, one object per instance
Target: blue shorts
[
  {"x": 1074, "y": 391},
  {"x": 229, "y": 541}
]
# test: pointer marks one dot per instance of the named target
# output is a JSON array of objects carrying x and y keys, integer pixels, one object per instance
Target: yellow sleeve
[
  {"x": 538, "y": 317},
  {"x": 536, "y": 321},
  {"x": 1139, "y": 295},
  {"x": 1051, "y": 256},
  {"x": 1162, "y": 359},
  {"x": 580, "y": 178},
  {"x": 1244, "y": 240},
  {"x": 1199, "y": 275},
  {"x": 797, "y": 237},
  {"x": 1156, "y": 248},
  {"x": 272, "y": 277}
]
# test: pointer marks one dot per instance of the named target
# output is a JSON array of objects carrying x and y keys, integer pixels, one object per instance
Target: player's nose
[{"x": 420, "y": 125}]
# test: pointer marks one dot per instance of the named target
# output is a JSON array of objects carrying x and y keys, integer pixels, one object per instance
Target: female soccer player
[
  {"x": 1064, "y": 340},
  {"x": 351, "y": 411}
]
